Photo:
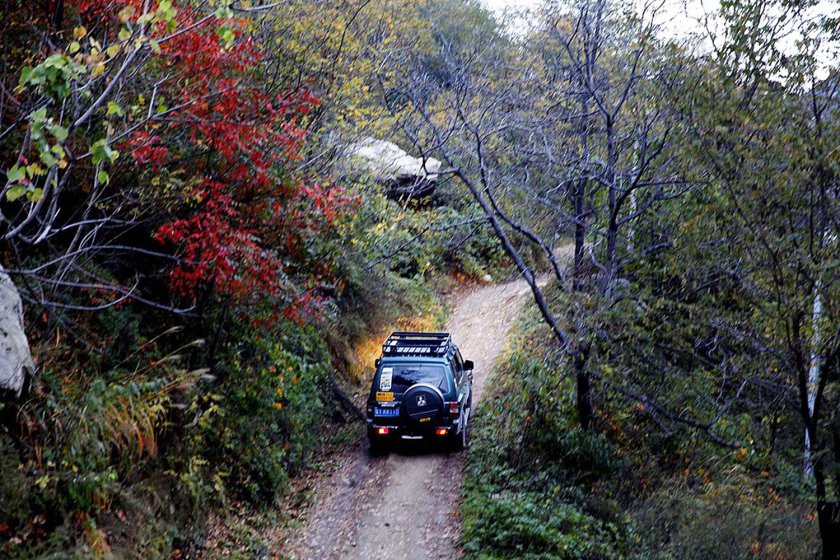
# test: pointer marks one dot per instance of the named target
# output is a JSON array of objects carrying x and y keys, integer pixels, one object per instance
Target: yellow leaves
[
  {"x": 126, "y": 14},
  {"x": 95, "y": 47},
  {"x": 80, "y": 32},
  {"x": 34, "y": 169}
]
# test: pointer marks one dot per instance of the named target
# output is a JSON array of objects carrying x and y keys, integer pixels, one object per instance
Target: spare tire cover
[{"x": 422, "y": 404}]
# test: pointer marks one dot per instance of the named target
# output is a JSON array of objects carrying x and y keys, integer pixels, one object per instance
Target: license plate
[{"x": 389, "y": 412}]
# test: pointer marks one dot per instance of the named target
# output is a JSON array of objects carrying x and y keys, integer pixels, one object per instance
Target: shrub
[
  {"x": 527, "y": 490},
  {"x": 262, "y": 421},
  {"x": 725, "y": 520},
  {"x": 531, "y": 525},
  {"x": 100, "y": 433}
]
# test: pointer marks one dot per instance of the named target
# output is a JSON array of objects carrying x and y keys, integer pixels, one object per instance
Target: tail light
[
  {"x": 442, "y": 431},
  {"x": 382, "y": 431},
  {"x": 454, "y": 411}
]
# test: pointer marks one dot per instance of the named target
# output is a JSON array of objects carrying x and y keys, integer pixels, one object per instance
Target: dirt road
[{"x": 405, "y": 505}]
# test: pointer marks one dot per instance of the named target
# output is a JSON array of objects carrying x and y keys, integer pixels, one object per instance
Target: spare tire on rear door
[{"x": 423, "y": 405}]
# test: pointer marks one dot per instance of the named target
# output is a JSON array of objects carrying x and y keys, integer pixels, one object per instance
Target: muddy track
[{"x": 405, "y": 505}]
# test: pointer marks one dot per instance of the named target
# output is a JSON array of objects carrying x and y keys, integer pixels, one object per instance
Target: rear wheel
[
  {"x": 377, "y": 447},
  {"x": 461, "y": 440}
]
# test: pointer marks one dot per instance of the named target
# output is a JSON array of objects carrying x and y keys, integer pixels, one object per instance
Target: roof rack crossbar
[
  {"x": 424, "y": 335},
  {"x": 405, "y": 343}
]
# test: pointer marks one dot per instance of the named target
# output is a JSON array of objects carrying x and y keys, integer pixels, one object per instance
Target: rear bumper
[{"x": 397, "y": 431}]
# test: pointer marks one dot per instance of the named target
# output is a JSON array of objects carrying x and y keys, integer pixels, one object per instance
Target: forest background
[{"x": 206, "y": 271}]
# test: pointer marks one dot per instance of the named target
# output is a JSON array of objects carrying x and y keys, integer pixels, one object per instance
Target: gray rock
[
  {"x": 16, "y": 366},
  {"x": 390, "y": 165}
]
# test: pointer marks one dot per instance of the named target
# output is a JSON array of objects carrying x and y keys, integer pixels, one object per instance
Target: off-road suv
[{"x": 422, "y": 389}]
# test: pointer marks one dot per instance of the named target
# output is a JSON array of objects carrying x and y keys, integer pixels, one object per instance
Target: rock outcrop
[
  {"x": 402, "y": 174},
  {"x": 16, "y": 366}
]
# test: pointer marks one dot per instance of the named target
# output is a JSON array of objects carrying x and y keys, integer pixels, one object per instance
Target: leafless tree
[{"x": 561, "y": 134}]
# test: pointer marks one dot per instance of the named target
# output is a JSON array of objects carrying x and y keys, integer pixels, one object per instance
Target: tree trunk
[
  {"x": 631, "y": 230},
  {"x": 828, "y": 511},
  {"x": 584, "y": 383},
  {"x": 584, "y": 392},
  {"x": 580, "y": 233},
  {"x": 813, "y": 375},
  {"x": 828, "y": 514},
  {"x": 579, "y": 200},
  {"x": 56, "y": 17},
  {"x": 612, "y": 224}
]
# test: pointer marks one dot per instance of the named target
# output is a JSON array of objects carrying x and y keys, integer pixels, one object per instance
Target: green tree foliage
[
  {"x": 774, "y": 202},
  {"x": 196, "y": 275},
  {"x": 702, "y": 194},
  {"x": 200, "y": 259}
]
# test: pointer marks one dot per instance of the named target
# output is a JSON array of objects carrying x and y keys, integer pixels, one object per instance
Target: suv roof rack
[{"x": 417, "y": 344}]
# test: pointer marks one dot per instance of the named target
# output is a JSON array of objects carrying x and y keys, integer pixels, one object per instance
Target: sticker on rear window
[{"x": 385, "y": 379}]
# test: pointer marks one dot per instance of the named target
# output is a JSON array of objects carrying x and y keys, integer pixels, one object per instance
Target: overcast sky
[{"x": 679, "y": 17}]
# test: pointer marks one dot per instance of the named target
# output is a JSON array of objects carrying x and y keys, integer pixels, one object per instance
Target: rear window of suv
[{"x": 399, "y": 377}]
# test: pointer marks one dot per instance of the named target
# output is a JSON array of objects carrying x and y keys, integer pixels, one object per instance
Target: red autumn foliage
[{"x": 243, "y": 229}]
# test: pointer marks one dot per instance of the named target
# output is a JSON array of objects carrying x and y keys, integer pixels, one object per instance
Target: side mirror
[
  {"x": 468, "y": 365},
  {"x": 377, "y": 361}
]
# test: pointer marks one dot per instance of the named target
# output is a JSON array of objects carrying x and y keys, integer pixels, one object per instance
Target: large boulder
[
  {"x": 402, "y": 174},
  {"x": 16, "y": 366}
]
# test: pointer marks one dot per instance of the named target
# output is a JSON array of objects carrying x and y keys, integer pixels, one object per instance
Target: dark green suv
[{"x": 422, "y": 390}]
